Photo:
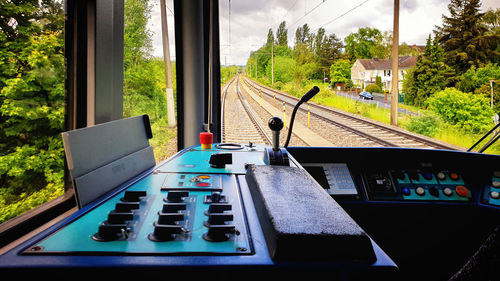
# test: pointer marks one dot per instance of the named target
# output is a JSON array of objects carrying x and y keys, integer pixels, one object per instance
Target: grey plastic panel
[
  {"x": 104, "y": 156},
  {"x": 98, "y": 182}
]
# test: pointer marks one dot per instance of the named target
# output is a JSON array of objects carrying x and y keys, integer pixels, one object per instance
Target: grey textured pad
[{"x": 301, "y": 221}]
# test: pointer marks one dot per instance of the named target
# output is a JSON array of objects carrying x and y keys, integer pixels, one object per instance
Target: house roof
[{"x": 404, "y": 62}]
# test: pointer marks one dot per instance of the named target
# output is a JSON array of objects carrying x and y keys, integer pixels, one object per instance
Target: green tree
[
  {"x": 465, "y": 110},
  {"x": 362, "y": 44},
  {"x": 284, "y": 69},
  {"x": 465, "y": 39},
  {"x": 32, "y": 99},
  {"x": 340, "y": 71},
  {"x": 142, "y": 94},
  {"x": 328, "y": 52},
  {"x": 282, "y": 34},
  {"x": 474, "y": 78},
  {"x": 428, "y": 76}
]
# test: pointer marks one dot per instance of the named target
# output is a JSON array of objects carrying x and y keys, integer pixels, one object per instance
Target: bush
[
  {"x": 465, "y": 110},
  {"x": 373, "y": 89},
  {"x": 426, "y": 124}
]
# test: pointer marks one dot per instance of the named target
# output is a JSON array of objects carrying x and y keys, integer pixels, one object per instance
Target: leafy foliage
[
  {"x": 429, "y": 75},
  {"x": 340, "y": 71},
  {"x": 32, "y": 100},
  {"x": 373, "y": 88},
  {"x": 465, "y": 110},
  {"x": 465, "y": 39},
  {"x": 426, "y": 124}
]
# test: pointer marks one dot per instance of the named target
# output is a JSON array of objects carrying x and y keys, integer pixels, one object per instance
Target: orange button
[
  {"x": 454, "y": 176},
  {"x": 462, "y": 191}
]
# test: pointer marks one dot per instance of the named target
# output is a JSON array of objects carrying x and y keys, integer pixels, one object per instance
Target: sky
[{"x": 244, "y": 24}]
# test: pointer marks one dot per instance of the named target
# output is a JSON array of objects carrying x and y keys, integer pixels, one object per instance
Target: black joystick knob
[{"x": 276, "y": 124}]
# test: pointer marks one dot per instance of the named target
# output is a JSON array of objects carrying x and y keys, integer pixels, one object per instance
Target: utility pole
[
  {"x": 168, "y": 66},
  {"x": 491, "y": 84},
  {"x": 395, "y": 62}
]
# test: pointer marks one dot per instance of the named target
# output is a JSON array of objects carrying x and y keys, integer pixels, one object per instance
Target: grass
[{"x": 443, "y": 131}]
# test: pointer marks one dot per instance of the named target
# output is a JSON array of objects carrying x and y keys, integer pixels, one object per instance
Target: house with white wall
[{"x": 365, "y": 71}]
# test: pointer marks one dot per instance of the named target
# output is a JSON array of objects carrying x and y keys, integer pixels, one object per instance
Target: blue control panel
[
  {"x": 492, "y": 190},
  {"x": 158, "y": 215}
]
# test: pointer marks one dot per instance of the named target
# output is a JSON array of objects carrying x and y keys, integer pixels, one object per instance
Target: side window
[{"x": 32, "y": 104}]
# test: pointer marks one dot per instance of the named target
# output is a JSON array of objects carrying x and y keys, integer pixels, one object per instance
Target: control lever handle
[{"x": 275, "y": 124}]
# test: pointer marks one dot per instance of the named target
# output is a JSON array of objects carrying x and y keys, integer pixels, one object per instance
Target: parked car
[{"x": 366, "y": 95}]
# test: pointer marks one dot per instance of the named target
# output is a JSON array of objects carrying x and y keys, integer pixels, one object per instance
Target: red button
[
  {"x": 203, "y": 184},
  {"x": 454, "y": 176},
  {"x": 462, "y": 191}
]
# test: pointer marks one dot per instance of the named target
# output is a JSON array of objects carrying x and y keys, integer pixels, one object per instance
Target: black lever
[{"x": 309, "y": 95}]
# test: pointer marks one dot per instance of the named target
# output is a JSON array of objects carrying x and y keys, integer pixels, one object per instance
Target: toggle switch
[
  {"x": 110, "y": 232},
  {"x": 219, "y": 208},
  {"x": 219, "y": 219},
  {"x": 126, "y": 206},
  {"x": 170, "y": 218},
  {"x": 119, "y": 218},
  {"x": 173, "y": 207},
  {"x": 219, "y": 233},
  {"x": 165, "y": 232},
  {"x": 176, "y": 196},
  {"x": 133, "y": 195}
]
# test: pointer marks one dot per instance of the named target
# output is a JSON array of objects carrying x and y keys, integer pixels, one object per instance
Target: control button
[
  {"x": 413, "y": 175},
  {"x": 133, "y": 196},
  {"x": 454, "y": 176},
  {"x": 203, "y": 184},
  {"x": 170, "y": 218},
  {"x": 176, "y": 196},
  {"x": 462, "y": 191},
  {"x": 434, "y": 191},
  {"x": 173, "y": 207},
  {"x": 496, "y": 184},
  {"x": 448, "y": 191},
  {"x": 110, "y": 232},
  {"x": 441, "y": 176},
  {"x": 220, "y": 160},
  {"x": 119, "y": 218},
  {"x": 204, "y": 177},
  {"x": 420, "y": 191},
  {"x": 219, "y": 208},
  {"x": 126, "y": 206},
  {"x": 219, "y": 233},
  {"x": 165, "y": 232},
  {"x": 219, "y": 219},
  {"x": 427, "y": 176},
  {"x": 495, "y": 195},
  {"x": 406, "y": 191},
  {"x": 216, "y": 197}
]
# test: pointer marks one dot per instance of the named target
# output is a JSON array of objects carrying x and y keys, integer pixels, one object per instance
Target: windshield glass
[{"x": 444, "y": 93}]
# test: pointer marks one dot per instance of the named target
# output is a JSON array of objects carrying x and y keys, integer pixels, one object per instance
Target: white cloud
[{"x": 251, "y": 20}]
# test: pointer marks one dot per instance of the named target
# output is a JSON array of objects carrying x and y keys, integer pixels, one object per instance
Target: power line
[
  {"x": 310, "y": 11},
  {"x": 352, "y": 9}
]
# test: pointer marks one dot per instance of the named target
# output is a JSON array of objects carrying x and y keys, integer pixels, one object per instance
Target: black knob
[
  {"x": 110, "y": 232},
  {"x": 165, "y": 232},
  {"x": 126, "y": 206},
  {"x": 176, "y": 196},
  {"x": 173, "y": 207},
  {"x": 275, "y": 124},
  {"x": 119, "y": 218},
  {"x": 133, "y": 196},
  {"x": 219, "y": 233},
  {"x": 219, "y": 219},
  {"x": 170, "y": 218},
  {"x": 220, "y": 160},
  {"x": 219, "y": 208}
]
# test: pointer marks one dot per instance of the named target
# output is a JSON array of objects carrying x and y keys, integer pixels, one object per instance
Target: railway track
[
  {"x": 239, "y": 122},
  {"x": 375, "y": 133}
]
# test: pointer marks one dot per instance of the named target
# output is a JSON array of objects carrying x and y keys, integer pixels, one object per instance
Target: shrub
[
  {"x": 426, "y": 124},
  {"x": 373, "y": 89},
  {"x": 465, "y": 110}
]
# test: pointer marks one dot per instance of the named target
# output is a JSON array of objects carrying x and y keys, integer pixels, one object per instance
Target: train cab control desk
[{"x": 195, "y": 211}]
